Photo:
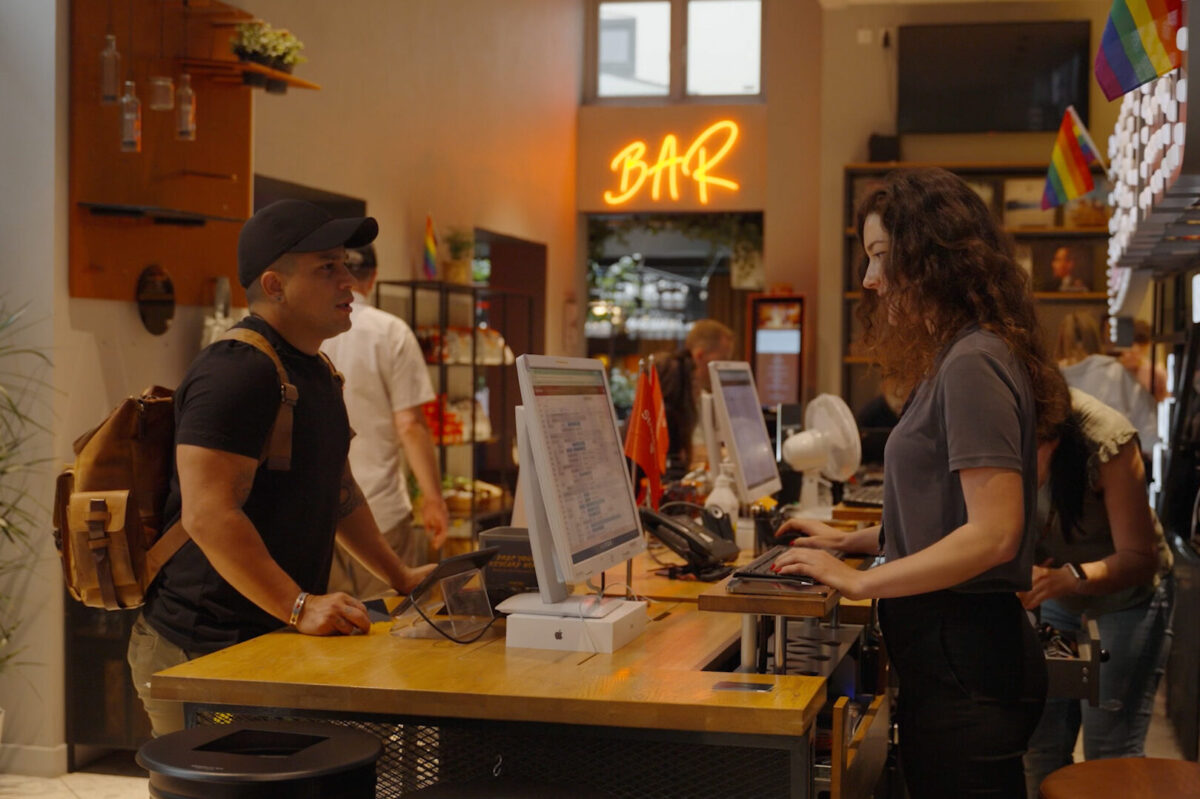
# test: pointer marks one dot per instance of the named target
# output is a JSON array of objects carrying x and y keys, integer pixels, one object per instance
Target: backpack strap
[
  {"x": 162, "y": 550},
  {"x": 337, "y": 376},
  {"x": 278, "y": 453}
]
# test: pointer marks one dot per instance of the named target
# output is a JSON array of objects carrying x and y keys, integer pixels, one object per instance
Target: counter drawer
[{"x": 1077, "y": 677}]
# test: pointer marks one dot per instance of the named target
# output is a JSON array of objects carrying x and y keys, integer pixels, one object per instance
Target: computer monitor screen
[
  {"x": 740, "y": 425},
  {"x": 580, "y": 486}
]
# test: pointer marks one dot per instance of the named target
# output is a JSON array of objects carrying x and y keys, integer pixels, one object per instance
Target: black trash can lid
[{"x": 259, "y": 752}]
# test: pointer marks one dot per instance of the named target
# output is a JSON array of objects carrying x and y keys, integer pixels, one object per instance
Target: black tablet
[{"x": 447, "y": 568}]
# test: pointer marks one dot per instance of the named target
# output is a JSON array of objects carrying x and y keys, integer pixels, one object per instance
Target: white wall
[
  {"x": 31, "y": 188},
  {"x": 99, "y": 349},
  {"x": 463, "y": 109}
]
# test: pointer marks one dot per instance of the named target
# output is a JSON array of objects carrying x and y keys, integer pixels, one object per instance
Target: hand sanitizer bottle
[{"x": 724, "y": 495}]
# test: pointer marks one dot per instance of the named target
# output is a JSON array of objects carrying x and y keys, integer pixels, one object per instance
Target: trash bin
[{"x": 262, "y": 759}]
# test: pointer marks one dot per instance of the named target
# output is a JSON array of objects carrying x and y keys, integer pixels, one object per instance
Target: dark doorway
[{"x": 518, "y": 266}]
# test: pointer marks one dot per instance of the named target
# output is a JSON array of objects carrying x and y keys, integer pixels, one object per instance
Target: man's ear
[{"x": 272, "y": 285}]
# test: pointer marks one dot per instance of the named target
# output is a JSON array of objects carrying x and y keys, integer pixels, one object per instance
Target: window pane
[
  {"x": 724, "y": 41},
  {"x": 635, "y": 49}
]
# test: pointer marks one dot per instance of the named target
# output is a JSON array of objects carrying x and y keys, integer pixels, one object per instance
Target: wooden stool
[{"x": 1126, "y": 777}]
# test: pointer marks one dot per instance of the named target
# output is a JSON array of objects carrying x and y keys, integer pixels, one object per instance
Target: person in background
[
  {"x": 946, "y": 309},
  {"x": 1102, "y": 554},
  {"x": 1137, "y": 361},
  {"x": 1079, "y": 352},
  {"x": 387, "y": 382},
  {"x": 683, "y": 375},
  {"x": 260, "y": 539}
]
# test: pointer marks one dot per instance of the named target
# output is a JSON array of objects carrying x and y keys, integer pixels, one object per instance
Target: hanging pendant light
[
  {"x": 110, "y": 64},
  {"x": 110, "y": 71},
  {"x": 185, "y": 98},
  {"x": 131, "y": 120},
  {"x": 162, "y": 90},
  {"x": 185, "y": 110}
]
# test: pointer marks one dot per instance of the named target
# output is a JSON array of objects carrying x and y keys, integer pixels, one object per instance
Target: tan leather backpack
[{"x": 108, "y": 505}]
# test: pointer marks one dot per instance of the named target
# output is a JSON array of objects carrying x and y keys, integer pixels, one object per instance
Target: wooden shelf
[
  {"x": 1058, "y": 232},
  {"x": 1070, "y": 296},
  {"x": 159, "y": 216},
  {"x": 1037, "y": 232},
  {"x": 227, "y": 70}
]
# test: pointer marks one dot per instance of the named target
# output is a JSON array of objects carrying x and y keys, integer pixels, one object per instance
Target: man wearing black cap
[{"x": 260, "y": 538}]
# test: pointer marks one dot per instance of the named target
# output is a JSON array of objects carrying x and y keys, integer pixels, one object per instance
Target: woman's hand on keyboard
[
  {"x": 811, "y": 533},
  {"x": 823, "y": 567}
]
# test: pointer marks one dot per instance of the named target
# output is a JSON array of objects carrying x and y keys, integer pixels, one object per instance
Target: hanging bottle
[
  {"x": 162, "y": 93},
  {"x": 131, "y": 121},
  {"x": 110, "y": 71},
  {"x": 185, "y": 110}
]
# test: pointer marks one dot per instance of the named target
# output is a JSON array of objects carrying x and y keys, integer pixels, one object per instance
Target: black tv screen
[{"x": 1017, "y": 76}]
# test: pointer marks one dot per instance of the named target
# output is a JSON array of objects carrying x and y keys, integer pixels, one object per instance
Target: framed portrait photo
[{"x": 1061, "y": 266}]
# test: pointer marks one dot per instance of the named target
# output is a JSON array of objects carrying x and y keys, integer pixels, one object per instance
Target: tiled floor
[{"x": 111, "y": 777}]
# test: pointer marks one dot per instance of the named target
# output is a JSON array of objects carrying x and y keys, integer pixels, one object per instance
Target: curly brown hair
[{"x": 948, "y": 265}]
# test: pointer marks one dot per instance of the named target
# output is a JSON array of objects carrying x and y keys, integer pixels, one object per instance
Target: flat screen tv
[{"x": 992, "y": 77}]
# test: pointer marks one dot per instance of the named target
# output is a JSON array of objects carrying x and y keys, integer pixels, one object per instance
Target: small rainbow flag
[
  {"x": 1069, "y": 175},
  {"x": 429, "y": 262},
  {"x": 1138, "y": 44}
]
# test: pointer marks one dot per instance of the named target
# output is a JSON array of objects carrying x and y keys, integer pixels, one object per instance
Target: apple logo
[{"x": 558, "y": 635}]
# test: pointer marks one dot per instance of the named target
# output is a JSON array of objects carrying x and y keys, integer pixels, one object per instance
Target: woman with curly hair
[{"x": 949, "y": 313}]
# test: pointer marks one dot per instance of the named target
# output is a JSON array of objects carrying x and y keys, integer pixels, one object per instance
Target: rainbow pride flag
[
  {"x": 1069, "y": 175},
  {"x": 429, "y": 262},
  {"x": 1138, "y": 44}
]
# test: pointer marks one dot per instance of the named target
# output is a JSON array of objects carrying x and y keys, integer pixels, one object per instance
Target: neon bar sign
[{"x": 705, "y": 152}]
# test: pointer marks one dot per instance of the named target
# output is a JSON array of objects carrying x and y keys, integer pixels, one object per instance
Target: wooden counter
[{"x": 654, "y": 687}]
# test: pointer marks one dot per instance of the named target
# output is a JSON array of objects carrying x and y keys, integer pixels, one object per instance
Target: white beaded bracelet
[{"x": 298, "y": 608}]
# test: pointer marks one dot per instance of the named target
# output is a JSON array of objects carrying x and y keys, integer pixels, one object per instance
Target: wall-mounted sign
[{"x": 700, "y": 163}]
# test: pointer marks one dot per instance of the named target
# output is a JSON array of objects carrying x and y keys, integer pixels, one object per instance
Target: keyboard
[
  {"x": 760, "y": 568},
  {"x": 863, "y": 496}
]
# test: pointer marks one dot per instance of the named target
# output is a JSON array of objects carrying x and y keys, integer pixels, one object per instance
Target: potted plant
[
  {"x": 278, "y": 49},
  {"x": 18, "y": 369},
  {"x": 460, "y": 243}
]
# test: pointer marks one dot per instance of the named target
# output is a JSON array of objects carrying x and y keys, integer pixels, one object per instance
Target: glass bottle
[
  {"x": 185, "y": 110},
  {"x": 110, "y": 71},
  {"x": 162, "y": 93},
  {"x": 131, "y": 121}
]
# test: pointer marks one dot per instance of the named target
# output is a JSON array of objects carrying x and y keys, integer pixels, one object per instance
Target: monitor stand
[
  {"x": 581, "y": 606},
  {"x": 569, "y": 631}
]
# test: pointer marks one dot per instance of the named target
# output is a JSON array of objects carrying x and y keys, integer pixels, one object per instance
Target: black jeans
[{"x": 972, "y": 685}]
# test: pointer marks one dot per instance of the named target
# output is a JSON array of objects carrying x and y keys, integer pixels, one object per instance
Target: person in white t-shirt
[{"x": 386, "y": 384}]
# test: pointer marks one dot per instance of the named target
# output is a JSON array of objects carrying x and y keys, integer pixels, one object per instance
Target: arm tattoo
[{"x": 350, "y": 496}]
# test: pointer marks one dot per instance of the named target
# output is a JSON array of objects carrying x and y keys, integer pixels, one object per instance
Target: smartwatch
[{"x": 1077, "y": 572}]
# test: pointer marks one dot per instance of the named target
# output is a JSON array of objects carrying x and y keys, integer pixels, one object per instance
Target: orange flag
[{"x": 646, "y": 439}]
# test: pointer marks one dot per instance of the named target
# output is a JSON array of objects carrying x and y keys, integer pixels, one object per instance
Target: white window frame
[{"x": 678, "y": 63}]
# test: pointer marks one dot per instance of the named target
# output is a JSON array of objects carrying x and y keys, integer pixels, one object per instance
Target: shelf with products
[
  {"x": 460, "y": 329},
  {"x": 1063, "y": 249}
]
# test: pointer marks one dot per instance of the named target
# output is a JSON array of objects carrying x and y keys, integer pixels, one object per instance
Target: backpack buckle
[{"x": 288, "y": 394}]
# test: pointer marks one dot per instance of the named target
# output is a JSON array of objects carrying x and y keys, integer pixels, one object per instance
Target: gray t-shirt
[{"x": 976, "y": 411}]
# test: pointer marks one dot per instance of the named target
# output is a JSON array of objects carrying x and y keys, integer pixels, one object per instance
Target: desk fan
[{"x": 829, "y": 445}]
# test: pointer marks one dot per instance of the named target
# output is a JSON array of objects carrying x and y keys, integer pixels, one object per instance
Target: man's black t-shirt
[{"x": 228, "y": 401}]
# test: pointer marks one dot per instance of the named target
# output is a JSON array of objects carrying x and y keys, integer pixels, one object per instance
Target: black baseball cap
[{"x": 295, "y": 226}]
